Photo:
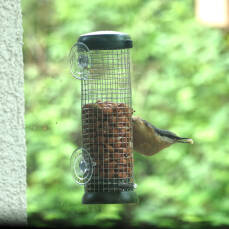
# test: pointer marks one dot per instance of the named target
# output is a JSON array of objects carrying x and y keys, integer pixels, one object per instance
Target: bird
[{"x": 149, "y": 140}]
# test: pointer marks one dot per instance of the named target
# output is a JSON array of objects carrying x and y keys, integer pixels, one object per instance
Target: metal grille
[{"x": 106, "y": 120}]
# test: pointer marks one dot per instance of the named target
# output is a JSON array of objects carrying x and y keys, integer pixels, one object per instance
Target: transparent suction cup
[
  {"x": 79, "y": 60},
  {"x": 81, "y": 166}
]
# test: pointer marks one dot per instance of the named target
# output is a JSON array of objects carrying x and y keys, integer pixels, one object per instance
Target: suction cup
[
  {"x": 79, "y": 60},
  {"x": 81, "y": 166}
]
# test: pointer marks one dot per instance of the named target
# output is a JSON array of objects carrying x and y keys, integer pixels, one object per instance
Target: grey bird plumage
[{"x": 149, "y": 140}]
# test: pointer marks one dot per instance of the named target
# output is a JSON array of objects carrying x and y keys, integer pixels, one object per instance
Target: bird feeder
[{"x": 104, "y": 164}]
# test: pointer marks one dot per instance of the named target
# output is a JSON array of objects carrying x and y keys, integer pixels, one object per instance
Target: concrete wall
[{"x": 12, "y": 132}]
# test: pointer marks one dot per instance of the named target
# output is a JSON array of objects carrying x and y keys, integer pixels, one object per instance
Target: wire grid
[{"x": 106, "y": 120}]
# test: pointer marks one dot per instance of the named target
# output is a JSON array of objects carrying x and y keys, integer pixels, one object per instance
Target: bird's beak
[{"x": 185, "y": 140}]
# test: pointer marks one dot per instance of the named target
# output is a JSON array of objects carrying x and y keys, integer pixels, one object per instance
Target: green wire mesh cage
[{"x": 104, "y": 164}]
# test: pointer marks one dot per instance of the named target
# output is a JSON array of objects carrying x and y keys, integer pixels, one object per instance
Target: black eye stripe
[
  {"x": 168, "y": 135},
  {"x": 161, "y": 132}
]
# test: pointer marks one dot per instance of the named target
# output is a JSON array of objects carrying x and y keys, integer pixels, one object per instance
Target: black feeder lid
[{"x": 106, "y": 40}]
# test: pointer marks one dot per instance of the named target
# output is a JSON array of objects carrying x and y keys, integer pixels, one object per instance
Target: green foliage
[{"x": 179, "y": 83}]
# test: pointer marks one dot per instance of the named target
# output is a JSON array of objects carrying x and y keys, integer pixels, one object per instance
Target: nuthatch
[{"x": 149, "y": 140}]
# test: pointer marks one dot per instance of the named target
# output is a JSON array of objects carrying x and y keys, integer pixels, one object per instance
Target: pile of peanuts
[{"x": 107, "y": 135}]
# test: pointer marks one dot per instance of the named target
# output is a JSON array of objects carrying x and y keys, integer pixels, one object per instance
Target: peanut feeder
[{"x": 104, "y": 164}]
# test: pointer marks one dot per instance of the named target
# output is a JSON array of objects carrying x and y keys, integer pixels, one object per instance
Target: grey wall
[{"x": 12, "y": 132}]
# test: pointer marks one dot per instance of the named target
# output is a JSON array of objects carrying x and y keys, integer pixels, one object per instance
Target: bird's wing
[{"x": 160, "y": 132}]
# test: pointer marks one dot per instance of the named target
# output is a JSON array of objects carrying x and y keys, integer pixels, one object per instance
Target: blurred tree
[{"x": 179, "y": 83}]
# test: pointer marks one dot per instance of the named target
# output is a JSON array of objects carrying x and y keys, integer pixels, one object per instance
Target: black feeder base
[{"x": 127, "y": 197}]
